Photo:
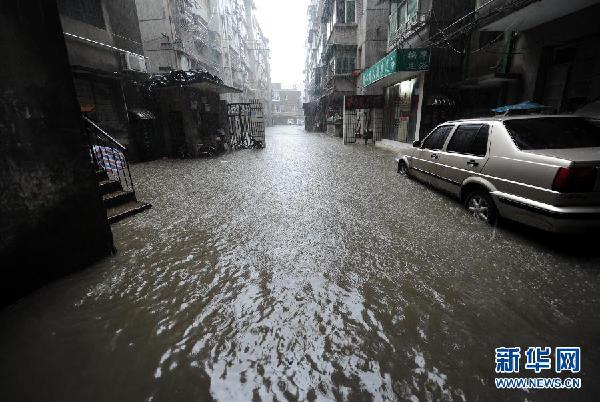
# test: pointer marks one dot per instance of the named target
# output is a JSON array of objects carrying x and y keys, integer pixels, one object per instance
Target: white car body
[{"x": 522, "y": 183}]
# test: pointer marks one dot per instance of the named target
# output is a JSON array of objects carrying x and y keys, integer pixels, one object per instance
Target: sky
[{"x": 284, "y": 23}]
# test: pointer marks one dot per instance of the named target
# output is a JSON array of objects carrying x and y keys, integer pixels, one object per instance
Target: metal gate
[
  {"x": 363, "y": 118},
  {"x": 246, "y": 124}
]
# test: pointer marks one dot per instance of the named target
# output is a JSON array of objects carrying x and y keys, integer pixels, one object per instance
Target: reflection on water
[{"x": 306, "y": 271}]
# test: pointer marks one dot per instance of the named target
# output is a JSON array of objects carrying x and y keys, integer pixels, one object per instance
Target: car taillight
[{"x": 574, "y": 180}]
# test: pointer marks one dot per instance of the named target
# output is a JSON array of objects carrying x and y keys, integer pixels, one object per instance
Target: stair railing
[{"x": 108, "y": 155}]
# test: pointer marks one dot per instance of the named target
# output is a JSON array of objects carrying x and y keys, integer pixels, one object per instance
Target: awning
[
  {"x": 204, "y": 86},
  {"x": 395, "y": 79},
  {"x": 537, "y": 13},
  {"x": 198, "y": 79},
  {"x": 399, "y": 60},
  {"x": 214, "y": 87},
  {"x": 142, "y": 114}
]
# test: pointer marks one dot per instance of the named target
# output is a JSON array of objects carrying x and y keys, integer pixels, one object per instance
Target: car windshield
[{"x": 553, "y": 133}]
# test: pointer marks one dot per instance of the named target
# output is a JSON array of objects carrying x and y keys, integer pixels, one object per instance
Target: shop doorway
[
  {"x": 402, "y": 110},
  {"x": 362, "y": 118}
]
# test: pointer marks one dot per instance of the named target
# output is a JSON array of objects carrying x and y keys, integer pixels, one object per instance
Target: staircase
[
  {"x": 112, "y": 174},
  {"x": 120, "y": 204}
]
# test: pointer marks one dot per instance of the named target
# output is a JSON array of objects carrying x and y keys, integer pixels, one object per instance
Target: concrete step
[
  {"x": 117, "y": 198},
  {"x": 109, "y": 186},
  {"x": 123, "y": 211},
  {"x": 101, "y": 175}
]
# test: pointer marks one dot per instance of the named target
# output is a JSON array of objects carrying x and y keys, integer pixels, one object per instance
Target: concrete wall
[
  {"x": 157, "y": 33},
  {"x": 372, "y": 33},
  {"x": 52, "y": 220},
  {"x": 119, "y": 28},
  {"x": 565, "y": 30},
  {"x": 123, "y": 22}
]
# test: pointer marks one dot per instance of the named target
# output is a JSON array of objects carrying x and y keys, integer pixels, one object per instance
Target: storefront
[
  {"x": 403, "y": 103},
  {"x": 401, "y": 77}
]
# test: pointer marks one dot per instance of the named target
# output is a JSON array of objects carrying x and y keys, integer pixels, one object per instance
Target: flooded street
[{"x": 308, "y": 270}]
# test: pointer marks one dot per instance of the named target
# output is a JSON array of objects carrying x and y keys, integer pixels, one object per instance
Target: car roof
[{"x": 514, "y": 117}]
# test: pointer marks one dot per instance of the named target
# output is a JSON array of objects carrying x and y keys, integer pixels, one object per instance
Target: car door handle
[
  {"x": 472, "y": 163},
  {"x": 435, "y": 156}
]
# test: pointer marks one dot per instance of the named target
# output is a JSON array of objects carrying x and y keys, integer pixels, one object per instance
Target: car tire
[
  {"x": 480, "y": 204},
  {"x": 403, "y": 169}
]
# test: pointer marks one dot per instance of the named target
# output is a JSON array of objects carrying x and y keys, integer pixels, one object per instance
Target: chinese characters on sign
[
  {"x": 566, "y": 359},
  {"x": 397, "y": 60},
  {"x": 413, "y": 59}
]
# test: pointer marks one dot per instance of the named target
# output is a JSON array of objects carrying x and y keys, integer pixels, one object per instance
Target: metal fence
[
  {"x": 363, "y": 124},
  {"x": 246, "y": 124}
]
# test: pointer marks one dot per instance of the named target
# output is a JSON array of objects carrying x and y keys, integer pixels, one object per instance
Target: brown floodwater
[{"x": 308, "y": 270}]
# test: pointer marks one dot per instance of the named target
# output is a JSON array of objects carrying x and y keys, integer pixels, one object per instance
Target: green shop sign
[{"x": 398, "y": 60}]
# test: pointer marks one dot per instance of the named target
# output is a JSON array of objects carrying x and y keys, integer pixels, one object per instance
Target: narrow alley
[{"x": 307, "y": 270}]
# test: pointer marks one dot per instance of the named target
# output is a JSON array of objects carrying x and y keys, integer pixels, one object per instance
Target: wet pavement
[{"x": 308, "y": 270}]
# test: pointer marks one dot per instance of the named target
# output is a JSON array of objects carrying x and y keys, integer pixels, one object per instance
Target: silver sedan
[{"x": 543, "y": 171}]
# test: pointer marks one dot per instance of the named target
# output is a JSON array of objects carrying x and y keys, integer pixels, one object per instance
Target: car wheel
[
  {"x": 481, "y": 206},
  {"x": 403, "y": 168}
]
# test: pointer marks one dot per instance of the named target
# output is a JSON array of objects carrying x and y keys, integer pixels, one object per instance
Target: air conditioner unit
[{"x": 135, "y": 63}]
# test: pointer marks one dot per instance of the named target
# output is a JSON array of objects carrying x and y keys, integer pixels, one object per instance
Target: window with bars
[
  {"x": 350, "y": 15},
  {"x": 345, "y": 63}
]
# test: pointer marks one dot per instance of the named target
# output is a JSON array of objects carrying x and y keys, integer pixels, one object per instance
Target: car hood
[{"x": 571, "y": 154}]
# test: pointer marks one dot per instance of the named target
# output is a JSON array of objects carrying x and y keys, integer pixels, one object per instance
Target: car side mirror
[{"x": 417, "y": 144}]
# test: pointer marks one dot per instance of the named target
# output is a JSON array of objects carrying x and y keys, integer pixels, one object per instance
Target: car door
[
  {"x": 465, "y": 155},
  {"x": 425, "y": 159}
]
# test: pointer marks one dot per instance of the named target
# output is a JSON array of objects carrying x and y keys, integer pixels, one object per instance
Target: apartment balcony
[
  {"x": 408, "y": 29},
  {"x": 522, "y": 15},
  {"x": 342, "y": 34}
]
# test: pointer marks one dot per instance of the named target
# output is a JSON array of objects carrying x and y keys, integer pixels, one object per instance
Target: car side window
[
  {"x": 470, "y": 139},
  {"x": 436, "y": 140}
]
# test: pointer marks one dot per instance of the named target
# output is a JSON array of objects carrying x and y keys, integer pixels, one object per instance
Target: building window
[
  {"x": 345, "y": 63},
  {"x": 344, "y": 12},
  {"x": 403, "y": 14},
  {"x": 216, "y": 56},
  {"x": 350, "y": 11}
]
